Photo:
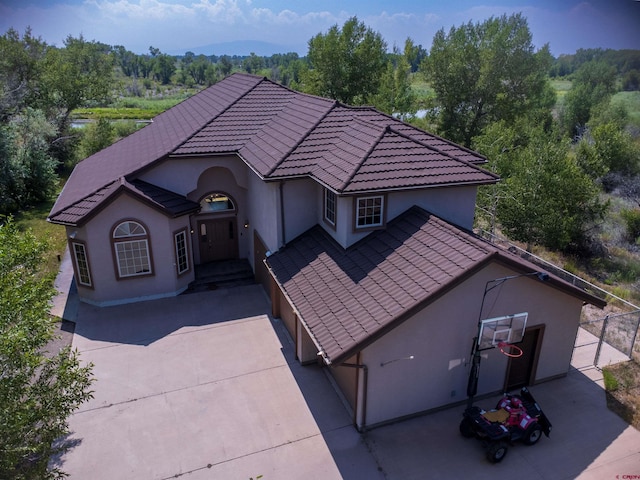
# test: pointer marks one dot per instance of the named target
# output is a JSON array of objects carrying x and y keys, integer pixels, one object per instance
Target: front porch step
[{"x": 222, "y": 274}]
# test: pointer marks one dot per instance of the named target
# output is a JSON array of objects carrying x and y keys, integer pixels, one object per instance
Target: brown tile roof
[
  {"x": 147, "y": 145},
  {"x": 348, "y": 298},
  {"x": 169, "y": 203},
  {"x": 281, "y": 133}
]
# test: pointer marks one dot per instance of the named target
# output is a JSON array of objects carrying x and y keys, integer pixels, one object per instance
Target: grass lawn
[
  {"x": 622, "y": 382},
  {"x": 631, "y": 100},
  {"x": 34, "y": 220}
]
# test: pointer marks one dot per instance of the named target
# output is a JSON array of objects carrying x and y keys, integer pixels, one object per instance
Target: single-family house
[{"x": 356, "y": 223}]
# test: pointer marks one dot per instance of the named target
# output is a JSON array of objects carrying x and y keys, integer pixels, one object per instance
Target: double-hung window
[
  {"x": 330, "y": 207},
  {"x": 369, "y": 212},
  {"x": 82, "y": 264},
  {"x": 182, "y": 258},
  {"x": 131, "y": 246}
]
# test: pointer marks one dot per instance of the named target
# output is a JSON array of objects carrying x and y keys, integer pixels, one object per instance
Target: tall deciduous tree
[
  {"x": 414, "y": 54},
  {"x": 394, "y": 95},
  {"x": 485, "y": 72},
  {"x": 593, "y": 85},
  {"x": 38, "y": 390},
  {"x": 21, "y": 66},
  {"x": 545, "y": 197},
  {"x": 346, "y": 63},
  {"x": 80, "y": 72},
  {"x": 27, "y": 170}
]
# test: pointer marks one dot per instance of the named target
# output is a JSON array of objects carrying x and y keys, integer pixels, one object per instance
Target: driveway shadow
[
  {"x": 154, "y": 320},
  {"x": 348, "y": 448}
]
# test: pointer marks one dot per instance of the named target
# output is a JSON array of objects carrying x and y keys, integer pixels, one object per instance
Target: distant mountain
[{"x": 243, "y": 48}]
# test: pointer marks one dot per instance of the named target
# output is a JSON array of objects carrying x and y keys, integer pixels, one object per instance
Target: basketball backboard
[{"x": 507, "y": 329}]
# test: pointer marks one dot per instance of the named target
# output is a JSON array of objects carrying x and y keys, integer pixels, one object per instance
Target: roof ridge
[
  {"x": 397, "y": 120},
  {"x": 374, "y": 144},
  {"x": 261, "y": 80},
  {"x": 395, "y": 130},
  {"x": 303, "y": 137}
]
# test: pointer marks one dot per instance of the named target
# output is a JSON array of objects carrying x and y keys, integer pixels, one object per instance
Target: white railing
[{"x": 556, "y": 270}]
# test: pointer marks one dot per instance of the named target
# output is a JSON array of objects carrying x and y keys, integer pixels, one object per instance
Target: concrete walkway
[{"x": 205, "y": 386}]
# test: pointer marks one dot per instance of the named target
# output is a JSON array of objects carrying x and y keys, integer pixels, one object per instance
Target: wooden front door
[
  {"x": 218, "y": 239},
  {"x": 521, "y": 370}
]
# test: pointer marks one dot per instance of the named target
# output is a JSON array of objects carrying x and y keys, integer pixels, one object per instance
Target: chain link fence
[{"x": 616, "y": 327}]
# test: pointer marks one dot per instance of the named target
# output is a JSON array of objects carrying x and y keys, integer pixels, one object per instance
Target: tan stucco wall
[
  {"x": 181, "y": 175},
  {"x": 97, "y": 237},
  {"x": 440, "y": 338},
  {"x": 454, "y": 204},
  {"x": 263, "y": 213},
  {"x": 301, "y": 206}
]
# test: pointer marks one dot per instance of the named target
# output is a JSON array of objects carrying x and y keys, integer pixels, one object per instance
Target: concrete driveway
[{"x": 205, "y": 386}]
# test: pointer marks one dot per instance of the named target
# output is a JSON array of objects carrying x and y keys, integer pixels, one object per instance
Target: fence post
[
  {"x": 604, "y": 329},
  {"x": 635, "y": 336}
]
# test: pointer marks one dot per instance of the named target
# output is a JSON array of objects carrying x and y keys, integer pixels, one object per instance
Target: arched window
[
  {"x": 217, "y": 202},
  {"x": 131, "y": 246}
]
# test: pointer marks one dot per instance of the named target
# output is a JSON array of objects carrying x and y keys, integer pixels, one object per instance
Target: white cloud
[{"x": 226, "y": 11}]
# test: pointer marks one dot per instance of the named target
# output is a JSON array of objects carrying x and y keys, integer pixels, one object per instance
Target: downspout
[
  {"x": 284, "y": 240},
  {"x": 365, "y": 377}
]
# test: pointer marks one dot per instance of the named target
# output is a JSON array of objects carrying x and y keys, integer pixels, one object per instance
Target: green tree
[
  {"x": 544, "y": 198},
  {"x": 225, "y": 65},
  {"x": 346, "y": 63},
  {"x": 77, "y": 74},
  {"x": 414, "y": 54},
  {"x": 39, "y": 391},
  {"x": 485, "y": 72},
  {"x": 615, "y": 148},
  {"x": 127, "y": 61},
  {"x": 164, "y": 67},
  {"x": 593, "y": 85},
  {"x": 21, "y": 66},
  {"x": 394, "y": 95},
  {"x": 253, "y": 63},
  {"x": 27, "y": 170},
  {"x": 197, "y": 68},
  {"x": 96, "y": 136}
]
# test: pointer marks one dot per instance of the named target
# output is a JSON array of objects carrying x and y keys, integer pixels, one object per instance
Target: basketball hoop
[{"x": 510, "y": 350}]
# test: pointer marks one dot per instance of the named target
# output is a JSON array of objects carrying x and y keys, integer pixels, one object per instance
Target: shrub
[
  {"x": 632, "y": 221},
  {"x": 610, "y": 381}
]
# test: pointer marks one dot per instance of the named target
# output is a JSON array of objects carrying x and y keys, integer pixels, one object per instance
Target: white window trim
[
  {"x": 382, "y": 212},
  {"x": 183, "y": 234},
  {"x": 85, "y": 262},
  {"x": 148, "y": 258},
  {"x": 325, "y": 209}
]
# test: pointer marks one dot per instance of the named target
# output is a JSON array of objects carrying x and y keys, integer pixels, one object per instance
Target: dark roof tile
[
  {"x": 280, "y": 133},
  {"x": 351, "y": 296}
]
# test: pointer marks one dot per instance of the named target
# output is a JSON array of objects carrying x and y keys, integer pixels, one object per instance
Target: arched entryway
[{"x": 217, "y": 228}]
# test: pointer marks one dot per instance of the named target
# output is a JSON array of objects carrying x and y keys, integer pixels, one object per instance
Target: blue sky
[{"x": 175, "y": 26}]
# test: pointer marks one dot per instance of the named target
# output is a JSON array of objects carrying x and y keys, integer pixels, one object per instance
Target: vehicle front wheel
[
  {"x": 533, "y": 434},
  {"x": 496, "y": 452},
  {"x": 466, "y": 428}
]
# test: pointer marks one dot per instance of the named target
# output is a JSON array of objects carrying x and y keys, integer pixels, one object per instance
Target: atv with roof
[{"x": 515, "y": 418}]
